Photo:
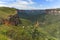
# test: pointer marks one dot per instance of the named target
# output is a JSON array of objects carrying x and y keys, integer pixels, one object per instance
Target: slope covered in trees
[
  {"x": 47, "y": 25},
  {"x": 50, "y": 23}
]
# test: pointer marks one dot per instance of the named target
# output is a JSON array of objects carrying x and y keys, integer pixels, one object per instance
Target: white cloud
[
  {"x": 21, "y": 4},
  {"x": 49, "y": 0},
  {"x": 31, "y": 2},
  {"x": 2, "y": 2},
  {"x": 1, "y": 5},
  {"x": 24, "y": 2}
]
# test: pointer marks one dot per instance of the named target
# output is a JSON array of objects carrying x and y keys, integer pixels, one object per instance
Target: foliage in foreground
[{"x": 24, "y": 33}]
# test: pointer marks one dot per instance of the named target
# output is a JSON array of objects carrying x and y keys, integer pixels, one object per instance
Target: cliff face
[
  {"x": 33, "y": 15},
  {"x": 34, "y": 12},
  {"x": 45, "y": 25},
  {"x": 44, "y": 17},
  {"x": 9, "y": 16},
  {"x": 53, "y": 11}
]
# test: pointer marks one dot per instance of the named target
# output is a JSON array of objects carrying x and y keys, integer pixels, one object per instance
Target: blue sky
[{"x": 31, "y": 4}]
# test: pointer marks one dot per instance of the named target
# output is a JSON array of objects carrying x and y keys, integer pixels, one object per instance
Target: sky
[{"x": 30, "y": 4}]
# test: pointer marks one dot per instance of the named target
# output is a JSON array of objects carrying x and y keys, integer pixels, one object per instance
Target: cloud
[
  {"x": 31, "y": 2},
  {"x": 8, "y": 0},
  {"x": 2, "y": 2},
  {"x": 22, "y": 4},
  {"x": 2, "y": 5},
  {"x": 49, "y": 0}
]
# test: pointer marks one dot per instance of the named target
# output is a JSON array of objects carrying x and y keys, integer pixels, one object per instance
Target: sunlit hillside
[
  {"x": 28, "y": 25},
  {"x": 6, "y": 11}
]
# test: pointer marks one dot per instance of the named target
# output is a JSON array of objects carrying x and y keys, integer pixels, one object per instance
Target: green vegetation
[
  {"x": 5, "y": 12},
  {"x": 24, "y": 33},
  {"x": 48, "y": 28}
]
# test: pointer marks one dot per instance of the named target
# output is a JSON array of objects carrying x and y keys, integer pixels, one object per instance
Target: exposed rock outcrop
[{"x": 11, "y": 20}]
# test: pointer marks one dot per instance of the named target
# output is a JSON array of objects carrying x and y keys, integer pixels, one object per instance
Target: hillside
[
  {"x": 6, "y": 11},
  {"x": 49, "y": 22},
  {"x": 22, "y": 25}
]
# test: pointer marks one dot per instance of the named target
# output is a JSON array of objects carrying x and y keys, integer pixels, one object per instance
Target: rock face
[
  {"x": 35, "y": 12},
  {"x": 12, "y": 20},
  {"x": 53, "y": 11}
]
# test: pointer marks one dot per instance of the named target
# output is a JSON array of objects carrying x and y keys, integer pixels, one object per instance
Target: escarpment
[{"x": 11, "y": 20}]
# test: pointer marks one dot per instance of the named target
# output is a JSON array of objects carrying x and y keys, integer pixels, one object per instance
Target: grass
[{"x": 5, "y": 12}]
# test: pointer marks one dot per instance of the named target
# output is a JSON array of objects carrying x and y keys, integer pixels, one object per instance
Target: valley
[{"x": 18, "y": 24}]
